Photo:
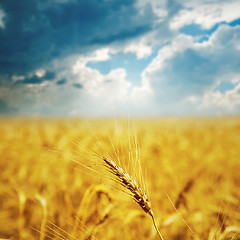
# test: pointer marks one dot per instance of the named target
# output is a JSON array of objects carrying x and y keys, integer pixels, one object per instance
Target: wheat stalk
[{"x": 139, "y": 196}]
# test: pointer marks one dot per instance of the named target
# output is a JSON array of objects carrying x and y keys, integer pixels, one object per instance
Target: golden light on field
[{"x": 53, "y": 187}]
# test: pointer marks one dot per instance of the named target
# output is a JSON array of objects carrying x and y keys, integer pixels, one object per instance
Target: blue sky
[{"x": 99, "y": 58}]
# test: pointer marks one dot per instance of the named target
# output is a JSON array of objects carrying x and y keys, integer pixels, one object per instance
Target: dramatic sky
[{"x": 124, "y": 57}]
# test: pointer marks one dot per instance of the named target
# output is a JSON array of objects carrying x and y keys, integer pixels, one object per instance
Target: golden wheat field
[{"x": 55, "y": 182}]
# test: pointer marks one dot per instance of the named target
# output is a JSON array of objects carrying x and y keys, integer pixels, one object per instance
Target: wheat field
[{"x": 54, "y": 185}]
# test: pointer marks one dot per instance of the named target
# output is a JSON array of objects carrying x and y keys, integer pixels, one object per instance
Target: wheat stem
[{"x": 155, "y": 225}]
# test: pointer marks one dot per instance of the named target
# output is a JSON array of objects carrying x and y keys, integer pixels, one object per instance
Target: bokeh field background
[{"x": 191, "y": 167}]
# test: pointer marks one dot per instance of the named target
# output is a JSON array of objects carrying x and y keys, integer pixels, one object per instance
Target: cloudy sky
[{"x": 124, "y": 57}]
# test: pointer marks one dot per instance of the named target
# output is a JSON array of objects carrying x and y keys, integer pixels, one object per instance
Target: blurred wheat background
[{"x": 191, "y": 168}]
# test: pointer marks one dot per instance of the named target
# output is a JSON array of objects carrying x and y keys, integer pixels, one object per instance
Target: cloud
[
  {"x": 61, "y": 81},
  {"x": 38, "y": 78},
  {"x": 37, "y": 32},
  {"x": 206, "y": 13},
  {"x": 49, "y": 76},
  {"x": 215, "y": 102},
  {"x": 76, "y": 57},
  {"x": 110, "y": 87},
  {"x": 158, "y": 7},
  {"x": 188, "y": 69},
  {"x": 162, "y": 9},
  {"x": 102, "y": 54},
  {"x": 83, "y": 90},
  {"x": 78, "y": 85},
  {"x": 2, "y": 16},
  {"x": 5, "y": 108},
  {"x": 141, "y": 48}
]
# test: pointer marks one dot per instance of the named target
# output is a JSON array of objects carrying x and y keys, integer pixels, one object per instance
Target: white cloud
[
  {"x": 2, "y": 15},
  {"x": 152, "y": 73},
  {"x": 110, "y": 87},
  {"x": 186, "y": 72},
  {"x": 179, "y": 44},
  {"x": 226, "y": 38},
  {"x": 233, "y": 96},
  {"x": 140, "y": 48},
  {"x": 40, "y": 72},
  {"x": 206, "y": 13},
  {"x": 99, "y": 55},
  {"x": 215, "y": 102},
  {"x": 142, "y": 96}
]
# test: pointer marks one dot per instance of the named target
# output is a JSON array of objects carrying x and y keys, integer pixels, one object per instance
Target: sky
[{"x": 137, "y": 58}]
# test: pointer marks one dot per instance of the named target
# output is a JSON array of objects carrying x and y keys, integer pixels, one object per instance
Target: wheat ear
[{"x": 128, "y": 182}]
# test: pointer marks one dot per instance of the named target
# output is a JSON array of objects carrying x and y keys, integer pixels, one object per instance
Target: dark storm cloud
[
  {"x": 125, "y": 34},
  {"x": 49, "y": 76},
  {"x": 38, "y": 31},
  {"x": 37, "y": 80}
]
